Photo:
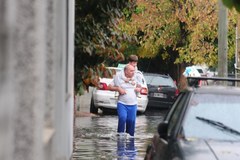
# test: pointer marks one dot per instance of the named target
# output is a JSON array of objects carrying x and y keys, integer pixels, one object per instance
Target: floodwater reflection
[
  {"x": 126, "y": 148},
  {"x": 96, "y": 138}
]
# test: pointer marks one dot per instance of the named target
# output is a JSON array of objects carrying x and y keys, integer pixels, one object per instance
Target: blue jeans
[{"x": 126, "y": 116}]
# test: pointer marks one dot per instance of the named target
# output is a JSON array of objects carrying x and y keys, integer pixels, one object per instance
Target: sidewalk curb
[{"x": 85, "y": 114}]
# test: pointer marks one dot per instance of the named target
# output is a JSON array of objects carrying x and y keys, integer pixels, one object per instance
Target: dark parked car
[
  {"x": 162, "y": 90},
  {"x": 203, "y": 124}
]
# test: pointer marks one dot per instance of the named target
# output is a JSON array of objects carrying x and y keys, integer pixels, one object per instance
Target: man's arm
[{"x": 114, "y": 86}]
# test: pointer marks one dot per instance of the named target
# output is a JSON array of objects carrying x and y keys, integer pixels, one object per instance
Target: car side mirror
[{"x": 162, "y": 129}]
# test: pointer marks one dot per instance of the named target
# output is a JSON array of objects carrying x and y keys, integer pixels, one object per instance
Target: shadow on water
[
  {"x": 96, "y": 137},
  {"x": 156, "y": 112}
]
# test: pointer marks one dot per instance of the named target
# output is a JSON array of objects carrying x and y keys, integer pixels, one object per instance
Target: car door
[
  {"x": 173, "y": 151},
  {"x": 166, "y": 145}
]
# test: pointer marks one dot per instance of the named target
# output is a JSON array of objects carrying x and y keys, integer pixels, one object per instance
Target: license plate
[{"x": 159, "y": 95}]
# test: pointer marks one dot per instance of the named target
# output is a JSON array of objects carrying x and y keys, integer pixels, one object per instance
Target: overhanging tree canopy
[
  {"x": 97, "y": 38},
  {"x": 183, "y": 30},
  {"x": 187, "y": 28},
  {"x": 232, "y": 4}
]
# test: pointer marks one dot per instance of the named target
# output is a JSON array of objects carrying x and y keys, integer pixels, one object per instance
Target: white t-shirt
[{"x": 130, "y": 98}]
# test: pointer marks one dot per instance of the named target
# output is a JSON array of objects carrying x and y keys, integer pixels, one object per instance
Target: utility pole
[
  {"x": 237, "y": 54},
  {"x": 222, "y": 40}
]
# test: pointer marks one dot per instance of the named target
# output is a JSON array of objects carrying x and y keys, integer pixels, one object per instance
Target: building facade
[{"x": 36, "y": 79}]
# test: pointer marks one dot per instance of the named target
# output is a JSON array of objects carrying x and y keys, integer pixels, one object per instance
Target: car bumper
[
  {"x": 108, "y": 100},
  {"x": 159, "y": 104},
  {"x": 142, "y": 103},
  {"x": 105, "y": 99}
]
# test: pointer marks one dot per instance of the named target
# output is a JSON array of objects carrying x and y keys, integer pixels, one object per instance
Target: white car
[
  {"x": 195, "y": 71},
  {"x": 106, "y": 100}
]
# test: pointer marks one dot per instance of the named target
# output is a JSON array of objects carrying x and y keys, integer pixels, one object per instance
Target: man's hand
[
  {"x": 116, "y": 88},
  {"x": 137, "y": 89},
  {"x": 121, "y": 91}
]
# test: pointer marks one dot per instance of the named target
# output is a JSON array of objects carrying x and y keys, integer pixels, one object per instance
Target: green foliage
[
  {"x": 184, "y": 30},
  {"x": 127, "y": 13},
  {"x": 140, "y": 9},
  {"x": 98, "y": 41},
  {"x": 232, "y": 4}
]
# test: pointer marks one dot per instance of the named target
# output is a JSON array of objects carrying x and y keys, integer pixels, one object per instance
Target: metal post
[
  {"x": 222, "y": 40},
  {"x": 237, "y": 54}
]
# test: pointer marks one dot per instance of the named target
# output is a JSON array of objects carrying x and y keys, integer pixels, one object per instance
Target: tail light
[
  {"x": 103, "y": 86},
  {"x": 144, "y": 91},
  {"x": 175, "y": 82},
  {"x": 202, "y": 83},
  {"x": 199, "y": 83},
  {"x": 176, "y": 92}
]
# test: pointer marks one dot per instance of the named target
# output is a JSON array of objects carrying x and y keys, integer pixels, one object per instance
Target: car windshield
[
  {"x": 212, "y": 116},
  {"x": 158, "y": 80}
]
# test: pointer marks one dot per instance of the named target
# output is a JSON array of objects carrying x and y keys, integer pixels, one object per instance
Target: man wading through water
[{"x": 127, "y": 100}]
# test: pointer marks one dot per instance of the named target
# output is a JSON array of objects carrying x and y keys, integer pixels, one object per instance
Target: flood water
[{"x": 96, "y": 137}]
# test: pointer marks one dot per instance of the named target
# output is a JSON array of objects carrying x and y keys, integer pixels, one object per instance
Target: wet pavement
[{"x": 95, "y": 137}]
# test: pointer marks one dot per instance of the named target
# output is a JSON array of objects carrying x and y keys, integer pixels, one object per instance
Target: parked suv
[{"x": 106, "y": 100}]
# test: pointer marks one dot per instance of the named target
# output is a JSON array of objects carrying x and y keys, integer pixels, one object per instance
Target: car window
[
  {"x": 222, "y": 109},
  {"x": 159, "y": 81},
  {"x": 200, "y": 71}
]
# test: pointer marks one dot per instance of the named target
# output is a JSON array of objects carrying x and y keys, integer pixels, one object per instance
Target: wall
[{"x": 36, "y": 79}]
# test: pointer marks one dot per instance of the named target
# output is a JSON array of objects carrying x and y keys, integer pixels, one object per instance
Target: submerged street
[{"x": 96, "y": 137}]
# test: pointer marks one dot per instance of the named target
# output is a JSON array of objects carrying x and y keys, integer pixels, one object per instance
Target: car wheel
[
  {"x": 140, "y": 112},
  {"x": 93, "y": 109}
]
